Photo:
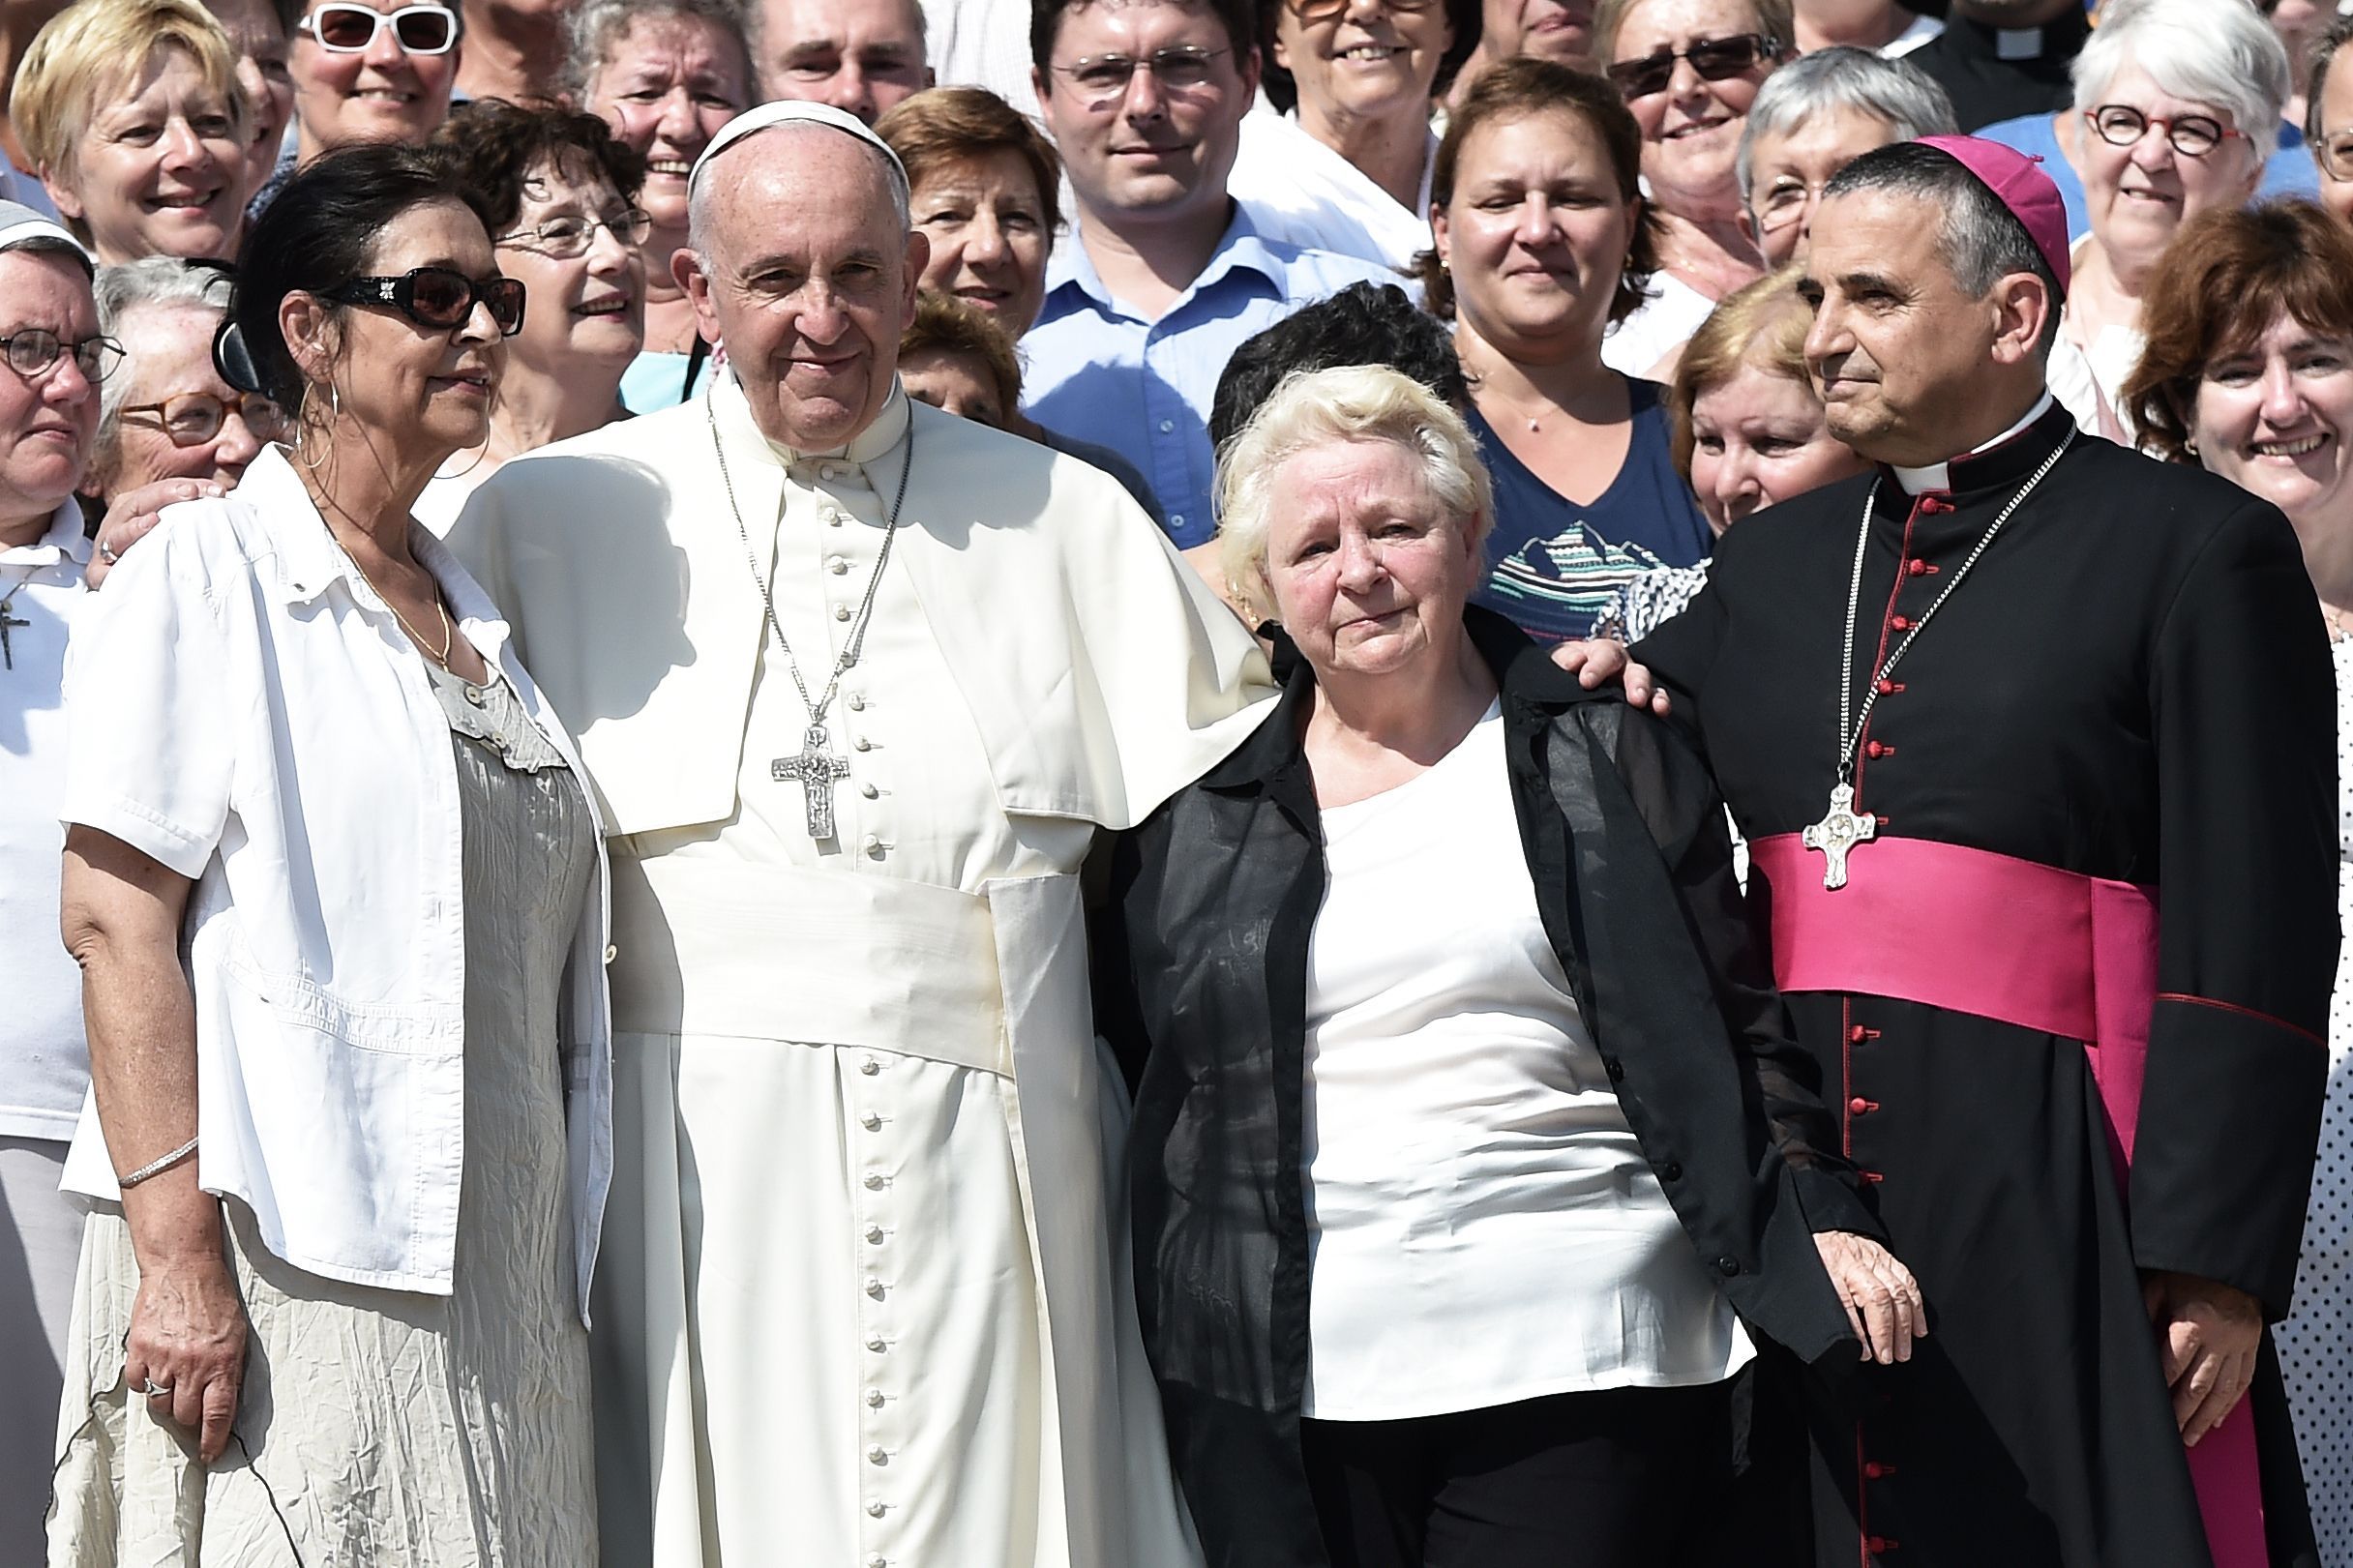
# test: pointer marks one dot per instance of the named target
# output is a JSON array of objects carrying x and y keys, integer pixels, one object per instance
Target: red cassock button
[
  {"x": 1878, "y": 1471},
  {"x": 1859, "y": 1105},
  {"x": 1899, "y": 623},
  {"x": 1918, "y": 569},
  {"x": 1885, "y": 686},
  {"x": 1856, "y": 1034},
  {"x": 1874, "y": 749}
]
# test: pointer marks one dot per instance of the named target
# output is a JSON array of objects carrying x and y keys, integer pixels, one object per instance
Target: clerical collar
[
  {"x": 1938, "y": 476},
  {"x": 2058, "y": 40},
  {"x": 64, "y": 540},
  {"x": 735, "y": 423}
]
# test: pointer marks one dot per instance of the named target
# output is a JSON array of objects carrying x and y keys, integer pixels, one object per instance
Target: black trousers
[{"x": 1614, "y": 1479}]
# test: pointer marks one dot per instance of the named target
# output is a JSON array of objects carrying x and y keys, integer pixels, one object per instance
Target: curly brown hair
[
  {"x": 948, "y": 324},
  {"x": 1528, "y": 86},
  {"x": 2227, "y": 275},
  {"x": 493, "y": 146}
]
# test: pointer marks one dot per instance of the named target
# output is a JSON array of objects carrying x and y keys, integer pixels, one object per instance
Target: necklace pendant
[
  {"x": 815, "y": 770},
  {"x": 1839, "y": 831}
]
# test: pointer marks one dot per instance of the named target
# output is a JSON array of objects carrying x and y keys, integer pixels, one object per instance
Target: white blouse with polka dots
[{"x": 2313, "y": 1344}]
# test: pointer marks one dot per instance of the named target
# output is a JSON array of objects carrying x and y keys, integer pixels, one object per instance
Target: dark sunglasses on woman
[
  {"x": 1714, "y": 58},
  {"x": 341, "y": 28},
  {"x": 438, "y": 298}
]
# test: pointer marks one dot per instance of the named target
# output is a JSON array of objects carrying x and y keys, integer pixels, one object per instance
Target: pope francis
[{"x": 858, "y": 681}]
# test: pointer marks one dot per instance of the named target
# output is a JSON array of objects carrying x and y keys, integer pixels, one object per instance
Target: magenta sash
[{"x": 2022, "y": 943}]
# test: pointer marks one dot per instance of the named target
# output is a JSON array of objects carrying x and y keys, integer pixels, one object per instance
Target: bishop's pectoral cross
[
  {"x": 8, "y": 655},
  {"x": 1840, "y": 829},
  {"x": 817, "y": 770}
]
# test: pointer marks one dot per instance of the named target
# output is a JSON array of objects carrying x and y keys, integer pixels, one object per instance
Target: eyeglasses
[
  {"x": 192, "y": 418},
  {"x": 1784, "y": 204},
  {"x": 564, "y": 238},
  {"x": 1714, "y": 58},
  {"x": 32, "y": 352},
  {"x": 1101, "y": 80},
  {"x": 438, "y": 298},
  {"x": 2336, "y": 153},
  {"x": 348, "y": 29},
  {"x": 2193, "y": 135},
  {"x": 1324, "y": 11}
]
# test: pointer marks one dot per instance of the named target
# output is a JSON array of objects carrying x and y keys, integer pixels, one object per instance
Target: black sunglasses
[
  {"x": 1714, "y": 58},
  {"x": 437, "y": 297}
]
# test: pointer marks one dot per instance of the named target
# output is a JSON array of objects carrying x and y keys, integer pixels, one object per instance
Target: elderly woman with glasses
[
  {"x": 2176, "y": 108},
  {"x": 334, "y": 882},
  {"x": 167, "y": 414},
  {"x": 133, "y": 113},
  {"x": 1469, "y": 1147},
  {"x": 1813, "y": 117},
  {"x": 1691, "y": 69},
  {"x": 666, "y": 75},
  {"x": 561, "y": 195}
]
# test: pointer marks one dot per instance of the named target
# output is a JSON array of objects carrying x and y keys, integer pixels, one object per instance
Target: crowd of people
[{"x": 894, "y": 782}]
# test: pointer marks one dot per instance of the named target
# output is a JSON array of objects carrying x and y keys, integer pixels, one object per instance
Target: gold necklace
[{"x": 449, "y": 630}]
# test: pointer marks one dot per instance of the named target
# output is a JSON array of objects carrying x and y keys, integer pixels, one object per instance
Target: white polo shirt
[
  {"x": 44, "y": 1069},
  {"x": 244, "y": 709}
]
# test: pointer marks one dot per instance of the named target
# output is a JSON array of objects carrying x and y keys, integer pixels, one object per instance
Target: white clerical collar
[
  {"x": 734, "y": 412},
  {"x": 1938, "y": 476},
  {"x": 64, "y": 540},
  {"x": 2017, "y": 43}
]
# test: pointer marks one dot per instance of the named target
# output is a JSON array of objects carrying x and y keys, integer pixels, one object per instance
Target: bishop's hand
[
  {"x": 1882, "y": 1299},
  {"x": 2207, "y": 1337},
  {"x": 1596, "y": 658}
]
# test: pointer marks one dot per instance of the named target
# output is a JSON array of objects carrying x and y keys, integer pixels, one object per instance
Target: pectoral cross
[
  {"x": 8, "y": 655},
  {"x": 1840, "y": 829},
  {"x": 816, "y": 769}
]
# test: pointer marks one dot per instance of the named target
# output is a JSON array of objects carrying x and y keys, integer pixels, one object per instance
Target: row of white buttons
[{"x": 878, "y": 1455}]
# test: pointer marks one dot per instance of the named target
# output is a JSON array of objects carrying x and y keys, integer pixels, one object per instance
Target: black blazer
[{"x": 1201, "y": 978}]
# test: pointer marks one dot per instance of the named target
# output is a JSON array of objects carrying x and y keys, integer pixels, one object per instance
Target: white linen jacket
[{"x": 242, "y": 707}]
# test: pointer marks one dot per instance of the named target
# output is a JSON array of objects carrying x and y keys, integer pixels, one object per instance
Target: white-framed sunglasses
[{"x": 342, "y": 28}]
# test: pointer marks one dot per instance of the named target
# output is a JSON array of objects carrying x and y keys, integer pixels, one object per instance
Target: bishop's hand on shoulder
[{"x": 1596, "y": 659}]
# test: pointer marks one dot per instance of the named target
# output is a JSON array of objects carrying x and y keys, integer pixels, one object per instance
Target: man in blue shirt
[{"x": 1165, "y": 275}]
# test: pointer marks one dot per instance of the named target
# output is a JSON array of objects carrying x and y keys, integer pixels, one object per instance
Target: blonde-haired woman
[
  {"x": 1556, "y": 1146},
  {"x": 130, "y": 112},
  {"x": 1746, "y": 430}
]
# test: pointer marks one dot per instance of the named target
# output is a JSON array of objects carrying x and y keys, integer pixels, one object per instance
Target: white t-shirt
[
  {"x": 1486, "y": 1229},
  {"x": 44, "y": 1065},
  {"x": 1301, "y": 191},
  {"x": 1659, "y": 325}
]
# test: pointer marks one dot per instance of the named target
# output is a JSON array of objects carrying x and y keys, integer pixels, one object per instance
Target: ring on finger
[
  {"x": 151, "y": 1389},
  {"x": 105, "y": 553}
]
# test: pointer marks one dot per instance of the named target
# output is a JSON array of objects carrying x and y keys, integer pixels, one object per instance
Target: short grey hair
[
  {"x": 2224, "y": 55},
  {"x": 596, "y": 27},
  {"x": 121, "y": 291},
  {"x": 1911, "y": 103},
  {"x": 1982, "y": 242},
  {"x": 699, "y": 192},
  {"x": 1348, "y": 403}
]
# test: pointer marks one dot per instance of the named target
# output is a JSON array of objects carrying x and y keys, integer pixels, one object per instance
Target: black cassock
[{"x": 2133, "y": 683}]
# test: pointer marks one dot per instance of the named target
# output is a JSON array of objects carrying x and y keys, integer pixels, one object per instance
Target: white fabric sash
[{"x": 776, "y": 953}]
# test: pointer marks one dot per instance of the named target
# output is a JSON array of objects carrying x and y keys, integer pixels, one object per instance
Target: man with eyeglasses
[
  {"x": 51, "y": 361},
  {"x": 1166, "y": 274}
]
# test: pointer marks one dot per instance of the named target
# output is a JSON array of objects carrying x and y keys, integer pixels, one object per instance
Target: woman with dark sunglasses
[
  {"x": 1689, "y": 69},
  {"x": 334, "y": 882}
]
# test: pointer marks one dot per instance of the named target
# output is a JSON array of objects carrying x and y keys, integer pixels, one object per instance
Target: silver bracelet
[{"x": 155, "y": 1167}]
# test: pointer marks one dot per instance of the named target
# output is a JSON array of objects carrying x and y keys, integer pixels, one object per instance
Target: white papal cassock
[{"x": 863, "y": 1298}]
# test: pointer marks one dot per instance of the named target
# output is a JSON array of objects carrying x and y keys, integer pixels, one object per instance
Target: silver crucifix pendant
[
  {"x": 1840, "y": 829},
  {"x": 815, "y": 770}
]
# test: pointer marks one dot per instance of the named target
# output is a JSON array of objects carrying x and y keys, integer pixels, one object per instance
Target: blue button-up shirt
[{"x": 1097, "y": 370}]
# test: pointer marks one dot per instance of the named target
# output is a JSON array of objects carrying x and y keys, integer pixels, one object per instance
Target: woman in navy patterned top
[{"x": 1542, "y": 241}]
